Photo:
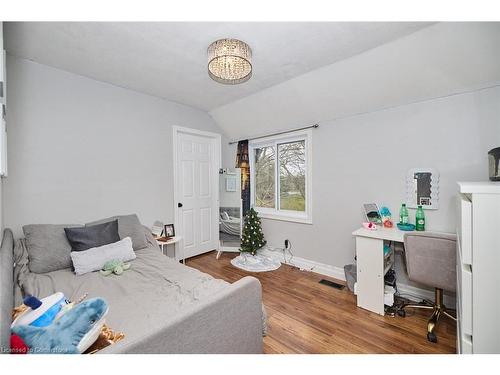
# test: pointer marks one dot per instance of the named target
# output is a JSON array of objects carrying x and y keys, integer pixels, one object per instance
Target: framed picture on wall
[
  {"x": 231, "y": 183},
  {"x": 422, "y": 188}
]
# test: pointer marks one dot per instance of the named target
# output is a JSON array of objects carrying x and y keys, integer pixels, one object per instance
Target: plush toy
[
  {"x": 74, "y": 332},
  {"x": 114, "y": 266},
  {"x": 40, "y": 313},
  {"x": 17, "y": 345},
  {"x": 385, "y": 213}
]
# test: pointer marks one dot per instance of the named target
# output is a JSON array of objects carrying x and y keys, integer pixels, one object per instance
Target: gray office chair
[{"x": 431, "y": 261}]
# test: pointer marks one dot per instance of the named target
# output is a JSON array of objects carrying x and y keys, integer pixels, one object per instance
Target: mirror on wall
[
  {"x": 230, "y": 209},
  {"x": 422, "y": 188}
]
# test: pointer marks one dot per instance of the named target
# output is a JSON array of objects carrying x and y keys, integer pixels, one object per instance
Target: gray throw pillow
[
  {"x": 128, "y": 226},
  {"x": 47, "y": 246},
  {"x": 90, "y": 236}
]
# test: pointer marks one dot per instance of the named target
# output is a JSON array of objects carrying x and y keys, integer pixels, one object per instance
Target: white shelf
[{"x": 389, "y": 234}]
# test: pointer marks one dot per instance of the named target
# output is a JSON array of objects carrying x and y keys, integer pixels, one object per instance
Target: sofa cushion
[
  {"x": 128, "y": 226},
  {"x": 90, "y": 236},
  {"x": 47, "y": 246}
]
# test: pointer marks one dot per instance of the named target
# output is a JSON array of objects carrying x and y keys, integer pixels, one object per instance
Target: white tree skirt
[{"x": 255, "y": 263}]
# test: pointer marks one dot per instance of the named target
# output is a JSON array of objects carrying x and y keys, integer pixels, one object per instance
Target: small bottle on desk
[
  {"x": 403, "y": 214},
  {"x": 420, "y": 219}
]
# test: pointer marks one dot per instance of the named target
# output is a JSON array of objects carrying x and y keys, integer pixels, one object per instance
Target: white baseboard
[
  {"x": 410, "y": 291},
  {"x": 309, "y": 265},
  {"x": 338, "y": 273}
]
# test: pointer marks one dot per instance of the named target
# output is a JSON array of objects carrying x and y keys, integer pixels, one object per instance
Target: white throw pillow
[{"x": 94, "y": 259}]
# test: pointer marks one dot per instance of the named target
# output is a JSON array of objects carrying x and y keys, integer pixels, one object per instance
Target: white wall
[
  {"x": 365, "y": 158},
  {"x": 381, "y": 113},
  {"x": 80, "y": 149}
]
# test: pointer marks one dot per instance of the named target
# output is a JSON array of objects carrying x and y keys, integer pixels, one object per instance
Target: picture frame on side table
[{"x": 169, "y": 230}]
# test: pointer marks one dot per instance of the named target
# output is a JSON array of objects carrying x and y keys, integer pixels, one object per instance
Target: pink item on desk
[{"x": 370, "y": 226}]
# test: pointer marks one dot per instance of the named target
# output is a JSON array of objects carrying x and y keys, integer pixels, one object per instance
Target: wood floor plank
[{"x": 307, "y": 317}]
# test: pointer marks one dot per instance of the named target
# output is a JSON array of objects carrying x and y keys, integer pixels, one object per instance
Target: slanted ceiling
[
  {"x": 303, "y": 72},
  {"x": 441, "y": 60},
  {"x": 169, "y": 59}
]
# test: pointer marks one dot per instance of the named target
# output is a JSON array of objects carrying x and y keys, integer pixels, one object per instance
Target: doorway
[{"x": 196, "y": 189}]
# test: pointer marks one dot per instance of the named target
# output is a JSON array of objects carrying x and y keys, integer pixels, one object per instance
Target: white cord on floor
[{"x": 284, "y": 251}]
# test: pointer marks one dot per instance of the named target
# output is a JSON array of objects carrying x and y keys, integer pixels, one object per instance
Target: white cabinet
[
  {"x": 372, "y": 265},
  {"x": 478, "y": 268}
]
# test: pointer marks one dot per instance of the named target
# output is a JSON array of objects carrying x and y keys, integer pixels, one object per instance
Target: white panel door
[{"x": 197, "y": 193}]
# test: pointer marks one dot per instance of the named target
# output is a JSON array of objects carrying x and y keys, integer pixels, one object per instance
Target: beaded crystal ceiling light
[{"x": 229, "y": 61}]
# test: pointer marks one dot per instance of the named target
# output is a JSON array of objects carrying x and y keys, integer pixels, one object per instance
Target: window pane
[
  {"x": 265, "y": 162},
  {"x": 292, "y": 159}
]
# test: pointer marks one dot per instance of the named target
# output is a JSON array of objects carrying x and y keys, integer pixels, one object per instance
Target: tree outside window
[{"x": 292, "y": 176}]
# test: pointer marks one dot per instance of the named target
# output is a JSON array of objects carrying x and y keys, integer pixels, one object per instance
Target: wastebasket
[{"x": 350, "y": 276}]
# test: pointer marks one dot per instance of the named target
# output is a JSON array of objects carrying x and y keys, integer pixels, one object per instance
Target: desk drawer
[
  {"x": 465, "y": 229},
  {"x": 464, "y": 296}
]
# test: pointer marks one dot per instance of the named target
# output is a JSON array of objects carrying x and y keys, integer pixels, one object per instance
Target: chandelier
[{"x": 229, "y": 61}]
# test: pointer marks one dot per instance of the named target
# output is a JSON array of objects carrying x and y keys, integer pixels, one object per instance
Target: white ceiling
[{"x": 168, "y": 59}]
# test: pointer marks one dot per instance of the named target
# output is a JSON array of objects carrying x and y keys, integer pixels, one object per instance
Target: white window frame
[{"x": 275, "y": 213}]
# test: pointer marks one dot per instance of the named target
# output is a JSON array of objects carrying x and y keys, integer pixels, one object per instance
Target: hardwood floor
[{"x": 307, "y": 317}]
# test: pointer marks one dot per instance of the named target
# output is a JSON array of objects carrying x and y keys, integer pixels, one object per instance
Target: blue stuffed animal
[{"x": 73, "y": 333}]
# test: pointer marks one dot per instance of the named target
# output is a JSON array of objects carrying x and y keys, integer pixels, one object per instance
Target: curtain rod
[{"x": 279, "y": 133}]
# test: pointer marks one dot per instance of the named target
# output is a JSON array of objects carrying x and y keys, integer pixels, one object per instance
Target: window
[
  {"x": 281, "y": 177},
  {"x": 265, "y": 176}
]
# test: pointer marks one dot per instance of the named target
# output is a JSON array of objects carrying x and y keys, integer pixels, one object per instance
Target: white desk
[
  {"x": 173, "y": 241},
  {"x": 370, "y": 265}
]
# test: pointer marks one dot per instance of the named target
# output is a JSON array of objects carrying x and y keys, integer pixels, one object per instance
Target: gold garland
[
  {"x": 16, "y": 311},
  {"x": 106, "y": 338}
]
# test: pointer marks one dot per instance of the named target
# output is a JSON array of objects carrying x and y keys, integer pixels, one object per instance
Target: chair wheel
[
  {"x": 432, "y": 337},
  {"x": 401, "y": 313}
]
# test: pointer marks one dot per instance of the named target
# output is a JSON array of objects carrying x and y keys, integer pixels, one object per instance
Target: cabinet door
[{"x": 370, "y": 272}]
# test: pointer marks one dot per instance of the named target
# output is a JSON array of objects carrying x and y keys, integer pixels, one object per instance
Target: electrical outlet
[{"x": 286, "y": 244}]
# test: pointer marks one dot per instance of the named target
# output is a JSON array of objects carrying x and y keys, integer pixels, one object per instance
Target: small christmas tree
[{"x": 252, "y": 238}]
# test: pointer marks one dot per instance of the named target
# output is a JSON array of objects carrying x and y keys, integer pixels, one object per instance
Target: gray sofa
[{"x": 220, "y": 318}]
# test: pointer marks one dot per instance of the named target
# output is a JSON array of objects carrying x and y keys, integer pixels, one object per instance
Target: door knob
[{"x": 179, "y": 205}]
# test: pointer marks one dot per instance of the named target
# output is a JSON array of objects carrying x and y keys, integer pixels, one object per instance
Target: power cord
[
  {"x": 288, "y": 247},
  {"x": 284, "y": 250}
]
